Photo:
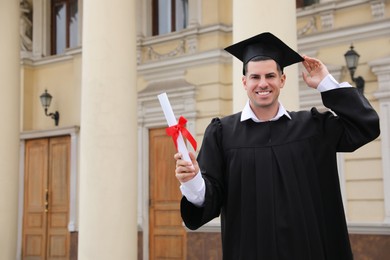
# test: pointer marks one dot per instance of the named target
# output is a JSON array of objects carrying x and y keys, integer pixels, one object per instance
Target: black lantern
[
  {"x": 45, "y": 101},
  {"x": 352, "y": 59}
]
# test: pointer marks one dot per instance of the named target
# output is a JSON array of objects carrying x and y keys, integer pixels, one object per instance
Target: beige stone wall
[
  {"x": 214, "y": 93},
  {"x": 363, "y": 184},
  {"x": 62, "y": 79},
  {"x": 216, "y": 12}
]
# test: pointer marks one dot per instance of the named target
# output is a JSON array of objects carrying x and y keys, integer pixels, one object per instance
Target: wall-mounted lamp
[
  {"x": 45, "y": 101},
  {"x": 352, "y": 59}
]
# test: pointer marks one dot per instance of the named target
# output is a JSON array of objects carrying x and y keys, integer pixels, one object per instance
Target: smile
[{"x": 263, "y": 93}]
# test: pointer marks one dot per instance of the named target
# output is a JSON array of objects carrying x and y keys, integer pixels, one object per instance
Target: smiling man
[{"x": 271, "y": 173}]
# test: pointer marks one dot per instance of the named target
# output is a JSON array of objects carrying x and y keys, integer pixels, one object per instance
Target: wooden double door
[
  {"x": 167, "y": 236},
  {"x": 46, "y": 199}
]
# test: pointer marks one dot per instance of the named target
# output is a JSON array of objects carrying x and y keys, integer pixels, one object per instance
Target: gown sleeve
[
  {"x": 357, "y": 123},
  {"x": 211, "y": 163}
]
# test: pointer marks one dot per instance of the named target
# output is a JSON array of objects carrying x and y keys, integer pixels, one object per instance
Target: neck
[{"x": 265, "y": 113}]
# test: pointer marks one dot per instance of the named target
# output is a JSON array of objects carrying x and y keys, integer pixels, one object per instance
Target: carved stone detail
[
  {"x": 378, "y": 9},
  {"x": 154, "y": 55},
  {"x": 311, "y": 26}
]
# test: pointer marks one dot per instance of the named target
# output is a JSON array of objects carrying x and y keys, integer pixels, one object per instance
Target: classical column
[
  {"x": 381, "y": 68},
  {"x": 10, "y": 127},
  {"x": 108, "y": 132},
  {"x": 251, "y": 17}
]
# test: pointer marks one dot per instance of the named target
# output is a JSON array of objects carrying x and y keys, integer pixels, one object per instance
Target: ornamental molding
[
  {"x": 309, "y": 27},
  {"x": 155, "y": 55},
  {"x": 149, "y": 70},
  {"x": 378, "y": 9},
  {"x": 327, "y": 20},
  {"x": 376, "y": 29},
  {"x": 186, "y": 43},
  {"x": 189, "y": 32},
  {"x": 328, "y": 7}
]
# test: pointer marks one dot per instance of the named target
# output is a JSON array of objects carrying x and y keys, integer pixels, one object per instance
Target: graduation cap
[{"x": 264, "y": 44}]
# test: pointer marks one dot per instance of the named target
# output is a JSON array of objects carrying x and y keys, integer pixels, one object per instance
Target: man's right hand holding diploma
[
  {"x": 192, "y": 184},
  {"x": 185, "y": 170}
]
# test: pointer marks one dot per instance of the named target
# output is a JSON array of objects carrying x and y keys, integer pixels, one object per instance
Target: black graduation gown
[{"x": 276, "y": 185}]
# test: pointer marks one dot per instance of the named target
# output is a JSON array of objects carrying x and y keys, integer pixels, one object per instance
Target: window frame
[
  {"x": 155, "y": 17},
  {"x": 53, "y": 21}
]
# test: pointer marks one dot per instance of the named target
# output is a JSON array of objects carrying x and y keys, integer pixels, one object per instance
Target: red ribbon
[{"x": 180, "y": 128}]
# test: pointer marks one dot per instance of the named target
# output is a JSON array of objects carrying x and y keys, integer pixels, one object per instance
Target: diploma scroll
[{"x": 171, "y": 120}]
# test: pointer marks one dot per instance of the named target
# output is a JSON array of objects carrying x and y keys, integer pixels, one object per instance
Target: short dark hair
[{"x": 261, "y": 58}]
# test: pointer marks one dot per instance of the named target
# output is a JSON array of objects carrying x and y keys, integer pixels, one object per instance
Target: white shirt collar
[{"x": 247, "y": 113}]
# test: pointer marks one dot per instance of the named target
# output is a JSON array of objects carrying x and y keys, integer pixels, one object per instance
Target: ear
[
  {"x": 282, "y": 80},
  {"x": 243, "y": 79}
]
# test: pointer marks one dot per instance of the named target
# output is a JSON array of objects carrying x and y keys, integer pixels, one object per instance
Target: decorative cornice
[
  {"x": 145, "y": 41},
  {"x": 49, "y": 132},
  {"x": 380, "y": 28},
  {"x": 327, "y": 7},
  {"x": 68, "y": 55},
  {"x": 207, "y": 57}
]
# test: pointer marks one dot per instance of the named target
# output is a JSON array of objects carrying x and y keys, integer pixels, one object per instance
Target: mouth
[{"x": 263, "y": 92}]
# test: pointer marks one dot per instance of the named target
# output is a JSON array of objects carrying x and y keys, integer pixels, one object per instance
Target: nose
[{"x": 262, "y": 82}]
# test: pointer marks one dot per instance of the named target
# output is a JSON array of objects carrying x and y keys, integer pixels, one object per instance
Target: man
[{"x": 272, "y": 174}]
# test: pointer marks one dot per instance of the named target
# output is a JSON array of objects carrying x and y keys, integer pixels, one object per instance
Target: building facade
[{"x": 100, "y": 184}]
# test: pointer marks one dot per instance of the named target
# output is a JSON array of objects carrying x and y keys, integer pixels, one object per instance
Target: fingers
[
  {"x": 184, "y": 173},
  {"x": 180, "y": 161},
  {"x": 184, "y": 177},
  {"x": 314, "y": 66},
  {"x": 193, "y": 158},
  {"x": 177, "y": 156},
  {"x": 311, "y": 64},
  {"x": 316, "y": 71},
  {"x": 185, "y": 170},
  {"x": 304, "y": 76}
]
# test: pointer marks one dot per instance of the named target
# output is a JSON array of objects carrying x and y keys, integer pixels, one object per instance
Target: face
[{"x": 262, "y": 83}]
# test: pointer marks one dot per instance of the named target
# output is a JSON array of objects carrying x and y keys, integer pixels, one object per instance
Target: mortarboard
[{"x": 264, "y": 44}]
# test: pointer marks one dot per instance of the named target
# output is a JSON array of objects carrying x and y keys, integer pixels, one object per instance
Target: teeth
[{"x": 263, "y": 93}]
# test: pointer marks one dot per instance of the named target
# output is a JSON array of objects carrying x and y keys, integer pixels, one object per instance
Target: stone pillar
[
  {"x": 10, "y": 129},
  {"x": 108, "y": 132},
  {"x": 251, "y": 17},
  {"x": 381, "y": 68}
]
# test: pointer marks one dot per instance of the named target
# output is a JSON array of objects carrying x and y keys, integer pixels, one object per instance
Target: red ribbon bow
[{"x": 180, "y": 128}]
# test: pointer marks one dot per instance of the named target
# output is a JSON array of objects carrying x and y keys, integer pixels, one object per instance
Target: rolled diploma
[{"x": 171, "y": 120}]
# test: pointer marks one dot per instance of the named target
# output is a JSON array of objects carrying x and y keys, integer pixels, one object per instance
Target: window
[
  {"x": 303, "y": 3},
  {"x": 169, "y": 16},
  {"x": 64, "y": 25}
]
